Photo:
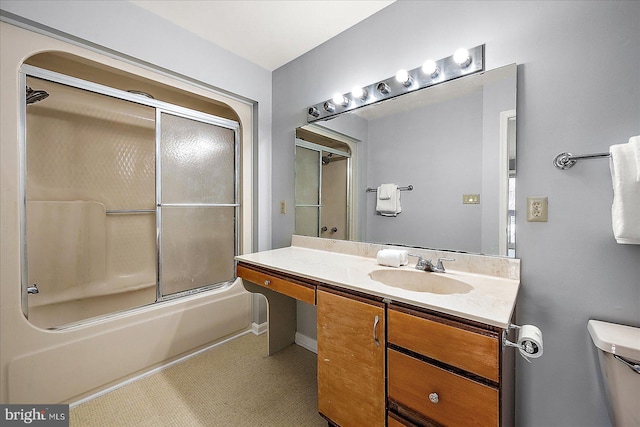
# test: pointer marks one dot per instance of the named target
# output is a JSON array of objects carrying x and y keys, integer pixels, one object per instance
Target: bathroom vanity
[{"x": 401, "y": 353}]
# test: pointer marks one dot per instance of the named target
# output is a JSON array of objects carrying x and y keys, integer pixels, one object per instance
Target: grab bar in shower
[
  {"x": 129, "y": 211},
  {"x": 375, "y": 190},
  {"x": 172, "y": 205},
  {"x": 567, "y": 160}
]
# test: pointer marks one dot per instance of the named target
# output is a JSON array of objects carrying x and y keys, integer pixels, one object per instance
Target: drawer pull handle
[
  {"x": 433, "y": 397},
  {"x": 267, "y": 282},
  {"x": 375, "y": 331}
]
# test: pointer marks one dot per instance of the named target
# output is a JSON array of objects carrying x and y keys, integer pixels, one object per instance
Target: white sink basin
[{"x": 420, "y": 281}]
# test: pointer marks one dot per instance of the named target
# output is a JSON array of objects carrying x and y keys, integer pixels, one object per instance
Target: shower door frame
[{"x": 160, "y": 107}]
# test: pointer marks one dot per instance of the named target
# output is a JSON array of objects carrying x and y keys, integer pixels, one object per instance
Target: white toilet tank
[{"x": 622, "y": 381}]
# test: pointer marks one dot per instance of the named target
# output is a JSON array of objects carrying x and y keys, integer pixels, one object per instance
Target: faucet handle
[
  {"x": 422, "y": 264},
  {"x": 420, "y": 259},
  {"x": 439, "y": 265}
]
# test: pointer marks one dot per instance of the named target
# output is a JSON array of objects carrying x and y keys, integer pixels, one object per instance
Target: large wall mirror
[{"x": 454, "y": 143}]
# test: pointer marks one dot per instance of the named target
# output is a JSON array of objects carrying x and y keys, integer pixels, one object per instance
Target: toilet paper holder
[{"x": 527, "y": 348}]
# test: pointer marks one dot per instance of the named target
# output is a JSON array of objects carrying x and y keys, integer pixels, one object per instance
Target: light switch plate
[{"x": 537, "y": 209}]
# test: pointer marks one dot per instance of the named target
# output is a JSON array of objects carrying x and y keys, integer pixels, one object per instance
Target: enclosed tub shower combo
[{"x": 129, "y": 199}]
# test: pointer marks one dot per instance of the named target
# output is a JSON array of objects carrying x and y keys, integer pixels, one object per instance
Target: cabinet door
[{"x": 351, "y": 360}]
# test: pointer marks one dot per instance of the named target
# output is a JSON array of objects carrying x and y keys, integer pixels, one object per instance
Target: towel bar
[
  {"x": 375, "y": 190},
  {"x": 567, "y": 160}
]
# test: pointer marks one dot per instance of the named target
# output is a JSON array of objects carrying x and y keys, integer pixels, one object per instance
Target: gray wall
[
  {"x": 416, "y": 148},
  {"x": 579, "y": 91}
]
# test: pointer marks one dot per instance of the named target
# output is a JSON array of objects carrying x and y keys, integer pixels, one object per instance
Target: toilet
[{"x": 622, "y": 383}]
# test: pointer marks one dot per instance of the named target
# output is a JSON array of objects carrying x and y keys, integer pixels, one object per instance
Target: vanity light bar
[{"x": 416, "y": 79}]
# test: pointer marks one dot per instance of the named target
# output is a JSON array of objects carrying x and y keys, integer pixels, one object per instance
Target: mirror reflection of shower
[
  {"x": 322, "y": 185},
  {"x": 34, "y": 96}
]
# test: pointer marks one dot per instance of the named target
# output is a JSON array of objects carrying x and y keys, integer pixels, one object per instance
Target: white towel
[
  {"x": 388, "y": 200},
  {"x": 635, "y": 145},
  {"x": 393, "y": 257},
  {"x": 625, "y": 211}
]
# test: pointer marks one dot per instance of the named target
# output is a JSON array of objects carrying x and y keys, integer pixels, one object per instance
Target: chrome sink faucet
[{"x": 427, "y": 265}]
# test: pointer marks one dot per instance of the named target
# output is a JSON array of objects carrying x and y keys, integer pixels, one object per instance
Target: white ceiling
[{"x": 269, "y": 33}]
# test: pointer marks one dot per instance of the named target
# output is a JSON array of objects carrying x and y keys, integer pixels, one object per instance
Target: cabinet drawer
[
  {"x": 462, "y": 348},
  {"x": 393, "y": 422},
  {"x": 305, "y": 293},
  {"x": 460, "y": 401}
]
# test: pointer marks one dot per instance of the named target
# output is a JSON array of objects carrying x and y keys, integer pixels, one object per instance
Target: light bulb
[
  {"x": 340, "y": 99},
  {"x": 462, "y": 58},
  {"x": 359, "y": 93},
  {"x": 402, "y": 76},
  {"x": 430, "y": 68}
]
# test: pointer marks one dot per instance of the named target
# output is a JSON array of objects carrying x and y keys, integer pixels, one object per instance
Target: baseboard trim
[
  {"x": 306, "y": 342},
  {"x": 259, "y": 329}
]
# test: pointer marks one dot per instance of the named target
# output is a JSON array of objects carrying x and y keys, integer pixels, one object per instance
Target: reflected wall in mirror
[{"x": 449, "y": 142}]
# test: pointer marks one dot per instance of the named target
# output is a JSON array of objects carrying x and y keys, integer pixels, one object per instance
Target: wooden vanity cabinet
[
  {"x": 387, "y": 363},
  {"x": 445, "y": 372},
  {"x": 351, "y": 359}
]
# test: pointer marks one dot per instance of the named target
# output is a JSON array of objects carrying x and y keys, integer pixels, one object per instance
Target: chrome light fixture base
[{"x": 448, "y": 69}]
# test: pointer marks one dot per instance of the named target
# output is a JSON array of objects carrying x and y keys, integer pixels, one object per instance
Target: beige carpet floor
[{"x": 234, "y": 384}]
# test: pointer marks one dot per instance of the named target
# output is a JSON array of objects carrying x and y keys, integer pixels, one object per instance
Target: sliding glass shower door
[
  {"x": 128, "y": 200},
  {"x": 197, "y": 204}
]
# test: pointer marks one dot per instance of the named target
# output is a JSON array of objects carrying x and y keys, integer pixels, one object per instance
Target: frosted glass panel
[
  {"x": 307, "y": 176},
  {"x": 198, "y": 161},
  {"x": 307, "y": 221},
  {"x": 198, "y": 245}
]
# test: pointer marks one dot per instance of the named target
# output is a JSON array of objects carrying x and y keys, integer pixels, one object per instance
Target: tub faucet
[{"x": 427, "y": 265}]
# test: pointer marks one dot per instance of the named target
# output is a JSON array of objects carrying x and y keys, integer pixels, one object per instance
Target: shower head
[
  {"x": 326, "y": 159},
  {"x": 35, "y": 95}
]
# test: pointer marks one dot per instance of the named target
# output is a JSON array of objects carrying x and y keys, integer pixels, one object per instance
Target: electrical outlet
[
  {"x": 537, "y": 209},
  {"x": 470, "y": 199},
  {"x": 283, "y": 206}
]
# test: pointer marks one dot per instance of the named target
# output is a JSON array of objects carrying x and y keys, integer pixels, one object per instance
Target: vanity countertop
[{"x": 491, "y": 300}]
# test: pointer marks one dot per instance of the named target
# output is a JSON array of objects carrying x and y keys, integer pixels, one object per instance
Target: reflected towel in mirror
[{"x": 388, "y": 200}]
